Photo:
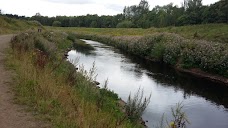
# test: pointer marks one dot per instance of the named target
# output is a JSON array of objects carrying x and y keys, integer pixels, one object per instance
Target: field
[{"x": 210, "y": 32}]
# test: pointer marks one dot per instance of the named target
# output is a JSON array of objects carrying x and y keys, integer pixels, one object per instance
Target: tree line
[{"x": 191, "y": 12}]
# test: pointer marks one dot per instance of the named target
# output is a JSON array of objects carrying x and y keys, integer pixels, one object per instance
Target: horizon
[{"x": 53, "y": 8}]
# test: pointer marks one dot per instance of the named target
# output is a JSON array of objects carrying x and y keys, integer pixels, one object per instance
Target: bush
[
  {"x": 125, "y": 24},
  {"x": 56, "y": 24},
  {"x": 71, "y": 37},
  {"x": 81, "y": 45}
]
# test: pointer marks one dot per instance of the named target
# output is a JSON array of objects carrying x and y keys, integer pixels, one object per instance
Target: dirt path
[{"x": 12, "y": 115}]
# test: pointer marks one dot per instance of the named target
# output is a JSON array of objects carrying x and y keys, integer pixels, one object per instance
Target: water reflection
[{"x": 205, "y": 102}]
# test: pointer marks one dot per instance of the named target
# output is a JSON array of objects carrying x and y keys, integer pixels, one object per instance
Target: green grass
[
  {"x": 210, "y": 32},
  {"x": 55, "y": 90},
  {"x": 9, "y": 25}
]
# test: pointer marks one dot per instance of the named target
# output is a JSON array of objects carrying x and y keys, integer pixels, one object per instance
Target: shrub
[
  {"x": 56, "y": 24},
  {"x": 71, "y": 37},
  {"x": 125, "y": 24},
  {"x": 81, "y": 45},
  {"x": 136, "y": 106}
]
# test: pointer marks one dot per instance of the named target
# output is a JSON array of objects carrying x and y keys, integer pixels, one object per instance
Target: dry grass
[{"x": 9, "y": 25}]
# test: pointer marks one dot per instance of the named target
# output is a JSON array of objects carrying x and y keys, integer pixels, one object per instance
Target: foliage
[
  {"x": 9, "y": 25},
  {"x": 190, "y": 13},
  {"x": 172, "y": 49},
  {"x": 179, "y": 118},
  {"x": 81, "y": 45},
  {"x": 136, "y": 106},
  {"x": 125, "y": 24},
  {"x": 56, "y": 24},
  {"x": 53, "y": 87}
]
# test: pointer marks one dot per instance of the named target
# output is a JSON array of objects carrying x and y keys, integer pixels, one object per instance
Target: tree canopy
[{"x": 191, "y": 12}]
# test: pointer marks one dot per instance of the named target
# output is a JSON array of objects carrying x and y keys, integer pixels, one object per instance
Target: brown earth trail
[{"x": 11, "y": 114}]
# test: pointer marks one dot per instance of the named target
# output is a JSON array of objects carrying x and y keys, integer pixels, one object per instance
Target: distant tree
[
  {"x": 56, "y": 24},
  {"x": 93, "y": 24},
  {"x": 125, "y": 24},
  {"x": 191, "y": 12},
  {"x": 37, "y": 14},
  {"x": 143, "y": 7}
]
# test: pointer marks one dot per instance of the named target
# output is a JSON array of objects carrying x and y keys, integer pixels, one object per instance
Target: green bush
[
  {"x": 172, "y": 49},
  {"x": 56, "y": 24},
  {"x": 125, "y": 24}
]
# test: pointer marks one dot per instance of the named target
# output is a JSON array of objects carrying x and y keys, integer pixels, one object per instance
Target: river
[{"x": 205, "y": 103}]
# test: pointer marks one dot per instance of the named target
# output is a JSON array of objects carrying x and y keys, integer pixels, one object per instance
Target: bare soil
[{"x": 12, "y": 115}]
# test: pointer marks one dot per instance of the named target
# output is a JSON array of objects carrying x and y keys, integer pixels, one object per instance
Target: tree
[
  {"x": 125, "y": 24},
  {"x": 56, "y": 24},
  {"x": 143, "y": 7},
  {"x": 37, "y": 14},
  {"x": 193, "y": 10},
  {"x": 93, "y": 24}
]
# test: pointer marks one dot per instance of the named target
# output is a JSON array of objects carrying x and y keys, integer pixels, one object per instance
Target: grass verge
[{"x": 55, "y": 90}]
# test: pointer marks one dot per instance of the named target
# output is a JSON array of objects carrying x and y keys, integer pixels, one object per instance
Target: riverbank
[
  {"x": 209, "y": 58},
  {"x": 10, "y": 25},
  {"x": 53, "y": 88}
]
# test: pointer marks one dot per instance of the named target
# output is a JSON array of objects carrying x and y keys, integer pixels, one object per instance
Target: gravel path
[{"x": 11, "y": 114}]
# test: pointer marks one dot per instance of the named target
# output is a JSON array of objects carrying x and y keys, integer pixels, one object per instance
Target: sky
[{"x": 77, "y": 7}]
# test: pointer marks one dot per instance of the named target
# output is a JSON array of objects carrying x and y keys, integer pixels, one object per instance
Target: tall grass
[
  {"x": 9, "y": 25},
  {"x": 136, "y": 105},
  {"x": 55, "y": 90},
  {"x": 179, "y": 118}
]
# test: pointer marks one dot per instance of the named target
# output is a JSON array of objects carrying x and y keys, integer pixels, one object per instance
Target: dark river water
[{"x": 205, "y": 103}]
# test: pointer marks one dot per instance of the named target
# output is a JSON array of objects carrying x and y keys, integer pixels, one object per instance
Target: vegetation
[
  {"x": 9, "y": 25},
  {"x": 209, "y": 32},
  {"x": 53, "y": 87},
  {"x": 172, "y": 49},
  {"x": 180, "y": 120},
  {"x": 191, "y": 12},
  {"x": 125, "y": 24},
  {"x": 82, "y": 46},
  {"x": 79, "y": 45},
  {"x": 56, "y": 24},
  {"x": 136, "y": 105}
]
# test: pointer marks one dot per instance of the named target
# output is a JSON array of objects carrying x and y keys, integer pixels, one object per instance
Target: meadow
[{"x": 209, "y": 32}]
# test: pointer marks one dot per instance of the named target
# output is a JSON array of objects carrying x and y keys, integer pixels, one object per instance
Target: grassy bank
[
  {"x": 211, "y": 57},
  {"x": 9, "y": 25},
  {"x": 52, "y": 87},
  {"x": 209, "y": 32}
]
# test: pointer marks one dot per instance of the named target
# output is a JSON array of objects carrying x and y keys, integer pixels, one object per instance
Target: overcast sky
[{"x": 76, "y": 7}]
